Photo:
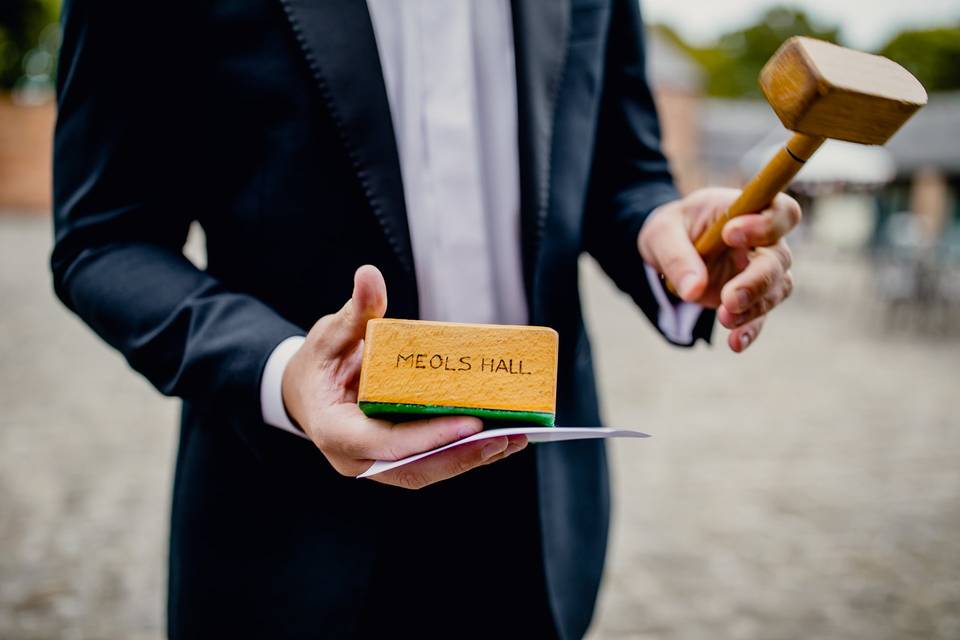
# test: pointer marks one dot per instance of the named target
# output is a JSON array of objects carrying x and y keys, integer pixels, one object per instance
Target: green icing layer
[{"x": 397, "y": 409}]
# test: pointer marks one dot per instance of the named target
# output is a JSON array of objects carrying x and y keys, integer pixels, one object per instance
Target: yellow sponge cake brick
[{"x": 497, "y": 372}]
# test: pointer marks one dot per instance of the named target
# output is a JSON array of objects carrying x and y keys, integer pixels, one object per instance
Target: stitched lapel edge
[
  {"x": 388, "y": 208},
  {"x": 541, "y": 34}
]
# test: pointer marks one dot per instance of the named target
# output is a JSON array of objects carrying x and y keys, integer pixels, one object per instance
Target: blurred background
[{"x": 810, "y": 488}]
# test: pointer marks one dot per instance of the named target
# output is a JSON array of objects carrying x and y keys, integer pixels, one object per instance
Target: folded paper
[{"x": 534, "y": 434}]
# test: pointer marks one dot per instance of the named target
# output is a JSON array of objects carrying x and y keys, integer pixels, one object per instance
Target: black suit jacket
[{"x": 267, "y": 122}]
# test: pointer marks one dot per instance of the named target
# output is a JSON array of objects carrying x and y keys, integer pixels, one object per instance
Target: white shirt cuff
[
  {"x": 271, "y": 386},
  {"x": 676, "y": 321}
]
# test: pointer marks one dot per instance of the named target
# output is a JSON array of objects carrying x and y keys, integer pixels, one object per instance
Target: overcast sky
[{"x": 865, "y": 24}]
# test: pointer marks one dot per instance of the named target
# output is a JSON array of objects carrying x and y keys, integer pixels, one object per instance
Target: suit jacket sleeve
[
  {"x": 630, "y": 176},
  {"x": 124, "y": 198}
]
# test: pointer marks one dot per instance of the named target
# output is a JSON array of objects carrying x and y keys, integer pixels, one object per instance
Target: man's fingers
[
  {"x": 344, "y": 433},
  {"x": 763, "y": 275},
  {"x": 381, "y": 440},
  {"x": 766, "y": 228},
  {"x": 742, "y": 337},
  {"x": 450, "y": 463},
  {"x": 344, "y": 329},
  {"x": 672, "y": 253},
  {"x": 772, "y": 297},
  {"x": 515, "y": 444}
]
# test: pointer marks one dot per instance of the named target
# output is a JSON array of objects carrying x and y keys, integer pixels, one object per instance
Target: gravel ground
[{"x": 808, "y": 489}]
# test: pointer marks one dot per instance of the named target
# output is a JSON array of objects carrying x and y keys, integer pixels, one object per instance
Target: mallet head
[{"x": 825, "y": 90}]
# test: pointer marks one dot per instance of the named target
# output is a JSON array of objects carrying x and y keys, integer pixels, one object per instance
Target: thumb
[
  {"x": 676, "y": 258},
  {"x": 347, "y": 326}
]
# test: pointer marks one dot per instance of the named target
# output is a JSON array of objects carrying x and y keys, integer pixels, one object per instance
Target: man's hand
[
  {"x": 746, "y": 281},
  {"x": 320, "y": 394}
]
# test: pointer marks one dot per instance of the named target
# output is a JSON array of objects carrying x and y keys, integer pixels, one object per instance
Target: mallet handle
[{"x": 759, "y": 192}]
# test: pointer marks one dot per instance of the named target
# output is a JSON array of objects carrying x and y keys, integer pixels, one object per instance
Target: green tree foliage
[
  {"x": 734, "y": 61},
  {"x": 21, "y": 24},
  {"x": 933, "y": 55}
]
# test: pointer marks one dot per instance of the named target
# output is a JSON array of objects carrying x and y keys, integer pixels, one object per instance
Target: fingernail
[
  {"x": 687, "y": 284},
  {"x": 469, "y": 427},
  {"x": 738, "y": 238},
  {"x": 744, "y": 341},
  {"x": 492, "y": 448},
  {"x": 740, "y": 318},
  {"x": 743, "y": 299}
]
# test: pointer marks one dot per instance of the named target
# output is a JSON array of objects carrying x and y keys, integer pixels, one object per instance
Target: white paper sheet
[{"x": 534, "y": 434}]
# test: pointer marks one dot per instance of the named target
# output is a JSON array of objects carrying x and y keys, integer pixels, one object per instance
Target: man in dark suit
[{"x": 309, "y": 138}]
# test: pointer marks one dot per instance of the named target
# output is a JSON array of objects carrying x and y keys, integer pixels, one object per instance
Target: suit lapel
[
  {"x": 338, "y": 41},
  {"x": 540, "y": 32}
]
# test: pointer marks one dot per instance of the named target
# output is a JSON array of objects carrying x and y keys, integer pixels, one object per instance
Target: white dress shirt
[{"x": 450, "y": 77}]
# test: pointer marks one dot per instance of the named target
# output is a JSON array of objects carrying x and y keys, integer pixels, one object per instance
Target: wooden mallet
[{"x": 820, "y": 90}]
